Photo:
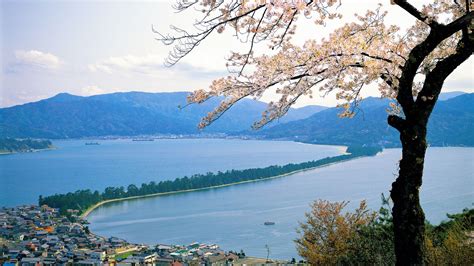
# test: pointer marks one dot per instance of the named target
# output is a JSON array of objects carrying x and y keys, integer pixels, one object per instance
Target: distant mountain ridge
[
  {"x": 140, "y": 113},
  {"x": 128, "y": 114},
  {"x": 448, "y": 95},
  {"x": 451, "y": 124}
]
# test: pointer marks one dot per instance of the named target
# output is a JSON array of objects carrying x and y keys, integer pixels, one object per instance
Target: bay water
[{"x": 232, "y": 217}]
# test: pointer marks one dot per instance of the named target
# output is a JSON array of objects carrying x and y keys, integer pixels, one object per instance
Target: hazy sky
[{"x": 93, "y": 47}]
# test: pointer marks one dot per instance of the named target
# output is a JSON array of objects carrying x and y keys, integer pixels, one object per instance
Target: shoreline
[
  {"x": 97, "y": 205},
  {"x": 31, "y": 151}
]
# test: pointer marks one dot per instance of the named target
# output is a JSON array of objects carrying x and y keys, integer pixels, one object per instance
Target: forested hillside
[
  {"x": 127, "y": 114},
  {"x": 138, "y": 113},
  {"x": 451, "y": 124}
]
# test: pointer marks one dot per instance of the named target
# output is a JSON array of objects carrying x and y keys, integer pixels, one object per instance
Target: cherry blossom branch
[
  {"x": 252, "y": 42},
  {"x": 356, "y": 54}
]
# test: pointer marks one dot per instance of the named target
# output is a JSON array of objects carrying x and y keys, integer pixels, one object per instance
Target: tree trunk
[{"x": 408, "y": 216}]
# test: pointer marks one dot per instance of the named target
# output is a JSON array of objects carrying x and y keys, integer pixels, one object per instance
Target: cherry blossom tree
[{"x": 407, "y": 65}]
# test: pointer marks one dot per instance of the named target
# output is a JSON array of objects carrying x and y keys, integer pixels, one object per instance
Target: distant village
[{"x": 33, "y": 235}]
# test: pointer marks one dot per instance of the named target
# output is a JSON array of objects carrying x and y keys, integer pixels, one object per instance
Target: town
[{"x": 39, "y": 235}]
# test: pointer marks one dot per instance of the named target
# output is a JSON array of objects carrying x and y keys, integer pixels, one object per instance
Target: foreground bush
[
  {"x": 452, "y": 242},
  {"x": 330, "y": 236},
  {"x": 327, "y": 233}
]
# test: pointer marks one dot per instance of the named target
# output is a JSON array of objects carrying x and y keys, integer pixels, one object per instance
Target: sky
[{"x": 95, "y": 47}]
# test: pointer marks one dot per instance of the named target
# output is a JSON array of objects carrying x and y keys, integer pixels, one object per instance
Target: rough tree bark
[{"x": 408, "y": 216}]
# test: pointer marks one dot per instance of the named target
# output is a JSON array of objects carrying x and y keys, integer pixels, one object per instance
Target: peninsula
[
  {"x": 85, "y": 201},
  {"x": 10, "y": 145}
]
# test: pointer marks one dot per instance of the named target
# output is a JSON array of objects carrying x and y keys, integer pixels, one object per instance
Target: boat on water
[
  {"x": 92, "y": 143},
  {"x": 269, "y": 223}
]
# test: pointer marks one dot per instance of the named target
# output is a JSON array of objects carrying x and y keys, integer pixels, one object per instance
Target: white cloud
[
  {"x": 461, "y": 78},
  {"x": 38, "y": 59},
  {"x": 152, "y": 65},
  {"x": 92, "y": 90},
  {"x": 148, "y": 64}
]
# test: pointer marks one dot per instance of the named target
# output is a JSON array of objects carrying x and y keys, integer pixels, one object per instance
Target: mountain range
[
  {"x": 451, "y": 124},
  {"x": 128, "y": 114},
  {"x": 140, "y": 113}
]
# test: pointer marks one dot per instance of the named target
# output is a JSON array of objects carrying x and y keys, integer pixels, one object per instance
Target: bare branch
[
  {"x": 416, "y": 13},
  {"x": 252, "y": 42},
  {"x": 187, "y": 42}
]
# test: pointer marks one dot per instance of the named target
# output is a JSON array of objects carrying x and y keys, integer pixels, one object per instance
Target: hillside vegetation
[
  {"x": 364, "y": 237},
  {"x": 9, "y": 145},
  {"x": 451, "y": 124},
  {"x": 139, "y": 113},
  {"x": 127, "y": 114}
]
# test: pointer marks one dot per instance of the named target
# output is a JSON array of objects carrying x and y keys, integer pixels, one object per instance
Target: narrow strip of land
[
  {"x": 92, "y": 208},
  {"x": 85, "y": 201},
  {"x": 28, "y": 151},
  {"x": 10, "y": 145}
]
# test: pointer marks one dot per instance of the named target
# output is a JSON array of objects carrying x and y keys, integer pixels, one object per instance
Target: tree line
[
  {"x": 364, "y": 237},
  {"x": 18, "y": 145},
  {"x": 81, "y": 200}
]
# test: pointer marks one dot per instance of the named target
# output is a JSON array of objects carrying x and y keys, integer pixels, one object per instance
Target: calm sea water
[
  {"x": 23, "y": 177},
  {"x": 233, "y": 217}
]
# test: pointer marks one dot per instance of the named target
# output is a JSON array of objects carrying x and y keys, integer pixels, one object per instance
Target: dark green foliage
[
  {"x": 451, "y": 242},
  {"x": 83, "y": 199},
  {"x": 16, "y": 145},
  {"x": 447, "y": 243},
  {"x": 79, "y": 200},
  {"x": 464, "y": 220}
]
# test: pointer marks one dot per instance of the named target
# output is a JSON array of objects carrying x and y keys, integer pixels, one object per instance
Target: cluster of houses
[{"x": 33, "y": 235}]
